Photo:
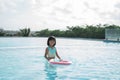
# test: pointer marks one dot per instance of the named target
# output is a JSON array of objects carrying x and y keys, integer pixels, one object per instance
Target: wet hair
[{"x": 51, "y": 38}]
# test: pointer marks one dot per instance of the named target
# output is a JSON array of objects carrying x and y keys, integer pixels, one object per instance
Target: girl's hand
[
  {"x": 60, "y": 60},
  {"x": 48, "y": 59}
]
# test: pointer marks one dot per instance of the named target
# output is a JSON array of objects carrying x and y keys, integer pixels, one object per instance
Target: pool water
[{"x": 23, "y": 59}]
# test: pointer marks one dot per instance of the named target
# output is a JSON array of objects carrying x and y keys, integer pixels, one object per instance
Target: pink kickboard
[{"x": 62, "y": 62}]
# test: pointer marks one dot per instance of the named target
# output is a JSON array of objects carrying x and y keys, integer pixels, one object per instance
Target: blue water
[{"x": 23, "y": 59}]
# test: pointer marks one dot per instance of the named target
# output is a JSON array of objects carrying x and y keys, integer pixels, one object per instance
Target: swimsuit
[{"x": 51, "y": 52}]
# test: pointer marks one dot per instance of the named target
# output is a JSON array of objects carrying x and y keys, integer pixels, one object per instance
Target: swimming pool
[{"x": 23, "y": 59}]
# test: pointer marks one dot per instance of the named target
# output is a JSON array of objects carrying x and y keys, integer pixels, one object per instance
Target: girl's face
[{"x": 51, "y": 43}]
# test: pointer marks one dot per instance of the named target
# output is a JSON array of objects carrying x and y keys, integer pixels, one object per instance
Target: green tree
[
  {"x": 25, "y": 32},
  {"x": 112, "y": 26},
  {"x": 2, "y": 33},
  {"x": 43, "y": 33}
]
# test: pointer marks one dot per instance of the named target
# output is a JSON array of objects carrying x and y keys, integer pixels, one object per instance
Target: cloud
[
  {"x": 57, "y": 14},
  {"x": 117, "y": 5},
  {"x": 104, "y": 10}
]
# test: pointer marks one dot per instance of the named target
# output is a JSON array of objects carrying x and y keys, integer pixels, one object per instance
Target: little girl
[{"x": 51, "y": 51}]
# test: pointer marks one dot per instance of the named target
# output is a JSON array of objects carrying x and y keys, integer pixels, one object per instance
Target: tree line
[
  {"x": 22, "y": 32},
  {"x": 86, "y": 31}
]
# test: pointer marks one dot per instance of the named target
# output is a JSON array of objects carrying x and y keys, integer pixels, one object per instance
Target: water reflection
[{"x": 51, "y": 71}]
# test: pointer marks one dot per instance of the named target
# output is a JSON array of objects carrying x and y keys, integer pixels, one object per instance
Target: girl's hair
[{"x": 51, "y": 38}]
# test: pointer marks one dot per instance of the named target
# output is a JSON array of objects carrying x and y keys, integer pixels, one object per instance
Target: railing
[{"x": 112, "y": 34}]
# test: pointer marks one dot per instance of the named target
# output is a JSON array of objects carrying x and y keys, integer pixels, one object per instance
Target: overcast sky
[{"x": 57, "y": 14}]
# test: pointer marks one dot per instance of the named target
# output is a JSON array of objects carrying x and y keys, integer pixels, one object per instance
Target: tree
[
  {"x": 43, "y": 33},
  {"x": 25, "y": 32},
  {"x": 2, "y": 32},
  {"x": 112, "y": 26}
]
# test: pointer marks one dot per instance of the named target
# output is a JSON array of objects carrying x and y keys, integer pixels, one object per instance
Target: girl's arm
[
  {"x": 58, "y": 56},
  {"x": 46, "y": 53}
]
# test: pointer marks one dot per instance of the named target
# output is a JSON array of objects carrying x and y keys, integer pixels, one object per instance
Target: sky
[{"x": 57, "y": 14}]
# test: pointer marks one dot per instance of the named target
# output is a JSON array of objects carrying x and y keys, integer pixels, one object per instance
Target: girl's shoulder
[{"x": 46, "y": 48}]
